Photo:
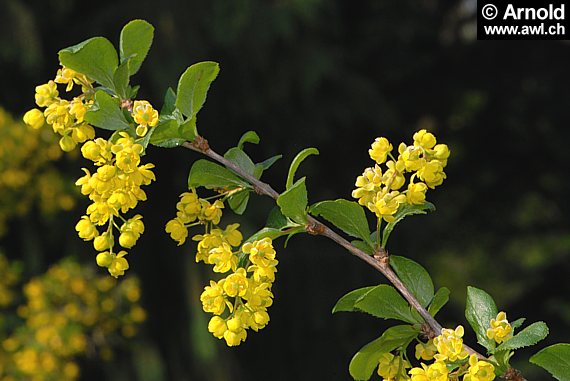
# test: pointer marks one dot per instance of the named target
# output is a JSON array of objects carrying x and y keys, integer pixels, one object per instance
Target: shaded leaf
[
  {"x": 237, "y": 156},
  {"x": 346, "y": 215},
  {"x": 479, "y": 311},
  {"x": 440, "y": 299},
  {"x": 296, "y": 162},
  {"x": 248, "y": 137},
  {"x": 346, "y": 303},
  {"x": 293, "y": 202},
  {"x": 385, "y": 302},
  {"x": 210, "y": 175},
  {"x": 415, "y": 277},
  {"x": 106, "y": 113},
  {"x": 555, "y": 359},
  {"x": 238, "y": 201}
]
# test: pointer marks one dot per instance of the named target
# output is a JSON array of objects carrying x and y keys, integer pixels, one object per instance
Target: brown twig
[{"x": 379, "y": 261}]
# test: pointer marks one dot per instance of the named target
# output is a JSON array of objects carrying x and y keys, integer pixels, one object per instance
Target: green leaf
[
  {"x": 365, "y": 361},
  {"x": 385, "y": 302},
  {"x": 403, "y": 211},
  {"x": 210, "y": 175},
  {"x": 440, "y": 299},
  {"x": 95, "y": 57},
  {"x": 238, "y": 201},
  {"x": 276, "y": 219},
  {"x": 166, "y": 134},
  {"x": 248, "y": 137},
  {"x": 296, "y": 162},
  {"x": 106, "y": 113},
  {"x": 169, "y": 104},
  {"x": 265, "y": 165},
  {"x": 531, "y": 335},
  {"x": 479, "y": 311},
  {"x": 363, "y": 246},
  {"x": 517, "y": 323},
  {"x": 346, "y": 303},
  {"x": 193, "y": 87},
  {"x": 273, "y": 233},
  {"x": 121, "y": 80},
  {"x": 237, "y": 156},
  {"x": 415, "y": 277},
  {"x": 187, "y": 130},
  {"x": 293, "y": 202},
  {"x": 135, "y": 41},
  {"x": 555, "y": 359},
  {"x": 346, "y": 215}
]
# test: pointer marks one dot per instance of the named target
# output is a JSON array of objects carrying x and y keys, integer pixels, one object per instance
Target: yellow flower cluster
[
  {"x": 66, "y": 117},
  {"x": 28, "y": 176},
  {"x": 447, "y": 349},
  {"x": 241, "y": 299},
  {"x": 381, "y": 190},
  {"x": 69, "y": 312},
  {"x": 501, "y": 329},
  {"x": 114, "y": 189}
]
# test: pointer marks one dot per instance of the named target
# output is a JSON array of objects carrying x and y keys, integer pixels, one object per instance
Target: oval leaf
[
  {"x": 248, "y": 137},
  {"x": 293, "y": 202},
  {"x": 106, "y": 113},
  {"x": 193, "y": 87},
  {"x": 525, "y": 338},
  {"x": 479, "y": 311},
  {"x": 136, "y": 39},
  {"x": 440, "y": 299},
  {"x": 241, "y": 159},
  {"x": 415, "y": 277},
  {"x": 365, "y": 360},
  {"x": 555, "y": 359},
  {"x": 385, "y": 302},
  {"x": 296, "y": 162},
  {"x": 347, "y": 302},
  {"x": 346, "y": 215},
  {"x": 206, "y": 174},
  {"x": 95, "y": 57}
]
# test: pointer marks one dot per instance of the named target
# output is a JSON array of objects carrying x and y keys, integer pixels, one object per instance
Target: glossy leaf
[
  {"x": 276, "y": 219},
  {"x": 403, "y": 211},
  {"x": 385, "y": 302},
  {"x": 348, "y": 301},
  {"x": 166, "y": 134},
  {"x": 530, "y": 335},
  {"x": 293, "y": 202},
  {"x": 193, "y": 87},
  {"x": 296, "y": 162},
  {"x": 346, "y": 215},
  {"x": 440, "y": 299},
  {"x": 135, "y": 41},
  {"x": 248, "y": 137},
  {"x": 95, "y": 57},
  {"x": 106, "y": 113},
  {"x": 415, "y": 277},
  {"x": 365, "y": 361},
  {"x": 555, "y": 359},
  {"x": 210, "y": 175},
  {"x": 238, "y": 201},
  {"x": 479, "y": 311}
]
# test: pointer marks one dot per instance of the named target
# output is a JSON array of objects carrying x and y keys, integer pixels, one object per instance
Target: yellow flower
[
  {"x": 412, "y": 157},
  {"x": 450, "y": 345},
  {"x": 212, "y": 299},
  {"x": 119, "y": 265},
  {"x": 86, "y": 229},
  {"x": 206, "y": 243},
  {"x": 234, "y": 338},
  {"x": 217, "y": 326},
  {"x": 368, "y": 185},
  {"x": 435, "y": 372},
  {"x": 223, "y": 259},
  {"x": 479, "y": 370},
  {"x": 236, "y": 284},
  {"x": 416, "y": 194},
  {"x": 211, "y": 212},
  {"x": 261, "y": 253},
  {"x": 424, "y": 139},
  {"x": 394, "y": 176},
  {"x": 145, "y": 116},
  {"x": 46, "y": 94},
  {"x": 34, "y": 118},
  {"x": 425, "y": 351},
  {"x": 391, "y": 367},
  {"x": 432, "y": 173},
  {"x": 103, "y": 242},
  {"x": 380, "y": 149},
  {"x": 232, "y": 235},
  {"x": 262, "y": 274},
  {"x": 388, "y": 205},
  {"x": 177, "y": 231},
  {"x": 501, "y": 329},
  {"x": 188, "y": 207}
]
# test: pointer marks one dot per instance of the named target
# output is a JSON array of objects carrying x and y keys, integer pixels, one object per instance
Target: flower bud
[{"x": 34, "y": 118}]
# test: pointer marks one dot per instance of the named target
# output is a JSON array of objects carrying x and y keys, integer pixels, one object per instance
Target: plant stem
[{"x": 380, "y": 261}]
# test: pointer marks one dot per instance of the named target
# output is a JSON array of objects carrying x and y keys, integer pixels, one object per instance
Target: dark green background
[{"x": 333, "y": 75}]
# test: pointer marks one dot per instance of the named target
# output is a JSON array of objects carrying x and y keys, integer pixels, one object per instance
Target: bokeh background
[{"x": 333, "y": 75}]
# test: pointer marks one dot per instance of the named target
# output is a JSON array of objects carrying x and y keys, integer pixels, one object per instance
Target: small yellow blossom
[
  {"x": 426, "y": 351},
  {"x": 479, "y": 370},
  {"x": 379, "y": 150},
  {"x": 501, "y": 329},
  {"x": 213, "y": 299},
  {"x": 392, "y": 367},
  {"x": 450, "y": 345},
  {"x": 145, "y": 116},
  {"x": 177, "y": 231},
  {"x": 236, "y": 284},
  {"x": 261, "y": 253},
  {"x": 34, "y": 118},
  {"x": 424, "y": 139},
  {"x": 46, "y": 94},
  {"x": 416, "y": 194}
]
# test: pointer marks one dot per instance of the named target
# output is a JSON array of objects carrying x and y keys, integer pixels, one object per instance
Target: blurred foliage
[
  {"x": 334, "y": 75},
  {"x": 68, "y": 312}
]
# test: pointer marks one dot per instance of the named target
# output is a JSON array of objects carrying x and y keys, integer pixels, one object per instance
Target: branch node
[
  {"x": 513, "y": 375},
  {"x": 315, "y": 228},
  {"x": 427, "y": 332},
  {"x": 200, "y": 144},
  {"x": 382, "y": 256},
  {"x": 127, "y": 104},
  {"x": 257, "y": 189}
]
